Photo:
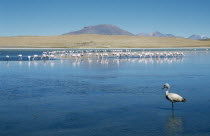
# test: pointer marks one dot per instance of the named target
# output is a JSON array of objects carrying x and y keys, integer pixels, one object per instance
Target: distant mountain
[
  {"x": 171, "y": 35},
  {"x": 205, "y": 39},
  {"x": 197, "y": 37},
  {"x": 156, "y": 34},
  {"x": 103, "y": 29}
]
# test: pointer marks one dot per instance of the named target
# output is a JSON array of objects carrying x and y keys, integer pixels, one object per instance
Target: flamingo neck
[{"x": 167, "y": 90}]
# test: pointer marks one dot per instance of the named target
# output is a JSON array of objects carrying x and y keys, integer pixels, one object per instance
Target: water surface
[{"x": 104, "y": 97}]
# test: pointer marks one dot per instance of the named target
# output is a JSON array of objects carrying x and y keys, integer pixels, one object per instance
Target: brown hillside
[{"x": 98, "y": 41}]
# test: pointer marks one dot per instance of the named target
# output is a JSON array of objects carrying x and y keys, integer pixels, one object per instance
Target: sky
[{"x": 56, "y": 17}]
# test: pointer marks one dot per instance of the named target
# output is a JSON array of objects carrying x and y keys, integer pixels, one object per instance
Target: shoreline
[{"x": 104, "y": 48}]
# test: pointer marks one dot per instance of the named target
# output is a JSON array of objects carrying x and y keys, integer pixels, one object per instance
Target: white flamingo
[
  {"x": 20, "y": 56},
  {"x": 172, "y": 97},
  {"x": 7, "y": 57},
  {"x": 29, "y": 58},
  {"x": 44, "y": 56},
  {"x": 35, "y": 56}
]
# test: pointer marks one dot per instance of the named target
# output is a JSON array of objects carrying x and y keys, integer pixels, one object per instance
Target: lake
[{"x": 104, "y": 97}]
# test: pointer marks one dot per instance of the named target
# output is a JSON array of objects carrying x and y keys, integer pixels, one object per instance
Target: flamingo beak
[{"x": 163, "y": 87}]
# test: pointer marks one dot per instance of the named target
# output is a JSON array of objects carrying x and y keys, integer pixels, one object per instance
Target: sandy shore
[
  {"x": 101, "y": 48},
  {"x": 98, "y": 41}
]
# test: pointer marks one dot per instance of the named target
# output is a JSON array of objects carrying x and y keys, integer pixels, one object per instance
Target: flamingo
[
  {"x": 29, "y": 57},
  {"x": 7, "y": 57},
  {"x": 35, "y": 56},
  {"x": 44, "y": 56},
  {"x": 20, "y": 56},
  {"x": 172, "y": 97}
]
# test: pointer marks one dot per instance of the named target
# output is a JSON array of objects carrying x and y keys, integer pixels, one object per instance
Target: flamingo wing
[{"x": 175, "y": 97}]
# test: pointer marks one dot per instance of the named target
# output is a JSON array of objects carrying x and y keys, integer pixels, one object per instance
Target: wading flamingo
[{"x": 172, "y": 97}]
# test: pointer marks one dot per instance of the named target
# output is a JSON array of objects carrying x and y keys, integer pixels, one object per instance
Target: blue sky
[{"x": 55, "y": 17}]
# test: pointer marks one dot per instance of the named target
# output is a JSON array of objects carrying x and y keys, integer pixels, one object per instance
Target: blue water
[{"x": 104, "y": 97}]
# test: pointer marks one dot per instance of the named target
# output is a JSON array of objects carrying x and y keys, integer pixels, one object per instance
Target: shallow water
[{"x": 105, "y": 97}]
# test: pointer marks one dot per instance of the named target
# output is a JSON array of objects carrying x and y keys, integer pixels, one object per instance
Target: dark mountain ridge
[
  {"x": 106, "y": 29},
  {"x": 103, "y": 29}
]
